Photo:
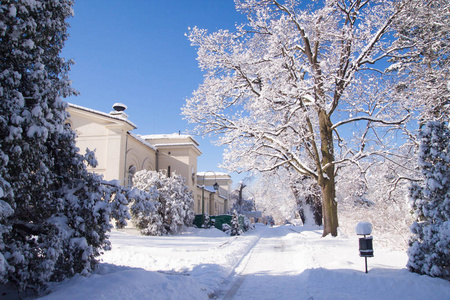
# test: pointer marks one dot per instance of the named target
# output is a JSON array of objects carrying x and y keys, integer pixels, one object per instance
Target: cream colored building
[
  {"x": 120, "y": 154},
  {"x": 213, "y": 202}
]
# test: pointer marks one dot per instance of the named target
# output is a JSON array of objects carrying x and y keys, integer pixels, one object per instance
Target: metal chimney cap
[{"x": 119, "y": 107}]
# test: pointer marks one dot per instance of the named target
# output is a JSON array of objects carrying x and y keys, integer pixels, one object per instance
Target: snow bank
[{"x": 128, "y": 284}]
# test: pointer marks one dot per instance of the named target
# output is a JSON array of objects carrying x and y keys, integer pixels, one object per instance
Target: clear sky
[{"x": 135, "y": 52}]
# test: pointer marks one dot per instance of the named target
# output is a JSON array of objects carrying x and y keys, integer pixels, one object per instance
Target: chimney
[{"x": 119, "y": 110}]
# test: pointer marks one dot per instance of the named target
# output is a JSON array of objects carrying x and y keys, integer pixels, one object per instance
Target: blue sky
[{"x": 135, "y": 52}]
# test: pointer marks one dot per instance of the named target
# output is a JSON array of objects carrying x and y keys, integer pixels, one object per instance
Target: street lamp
[{"x": 215, "y": 186}]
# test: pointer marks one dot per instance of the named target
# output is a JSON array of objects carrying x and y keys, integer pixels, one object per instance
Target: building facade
[{"x": 121, "y": 153}]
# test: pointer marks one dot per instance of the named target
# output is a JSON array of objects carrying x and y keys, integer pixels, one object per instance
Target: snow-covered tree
[
  {"x": 143, "y": 210},
  {"x": 206, "y": 221},
  {"x": 184, "y": 195},
  {"x": 273, "y": 195},
  {"x": 423, "y": 32},
  {"x": 377, "y": 197},
  {"x": 235, "y": 228},
  {"x": 245, "y": 205},
  {"x": 283, "y": 88},
  {"x": 429, "y": 251},
  {"x": 247, "y": 224},
  {"x": 171, "y": 205},
  {"x": 237, "y": 197},
  {"x": 242, "y": 202},
  {"x": 54, "y": 215},
  {"x": 308, "y": 197}
]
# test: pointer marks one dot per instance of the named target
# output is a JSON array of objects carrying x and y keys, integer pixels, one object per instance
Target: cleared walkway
[{"x": 273, "y": 265}]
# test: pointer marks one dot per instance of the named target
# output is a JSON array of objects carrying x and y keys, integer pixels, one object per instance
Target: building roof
[
  {"x": 142, "y": 141},
  {"x": 171, "y": 141},
  {"x": 209, "y": 189},
  {"x": 164, "y": 140},
  {"x": 119, "y": 117},
  {"x": 171, "y": 136}
]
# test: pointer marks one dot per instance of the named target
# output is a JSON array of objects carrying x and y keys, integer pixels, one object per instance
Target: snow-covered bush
[
  {"x": 226, "y": 228},
  {"x": 5, "y": 211},
  {"x": 429, "y": 251},
  {"x": 54, "y": 215},
  {"x": 248, "y": 225},
  {"x": 235, "y": 229},
  {"x": 169, "y": 207},
  {"x": 206, "y": 221}
]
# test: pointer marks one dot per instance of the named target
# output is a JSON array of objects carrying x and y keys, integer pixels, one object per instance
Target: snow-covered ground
[{"x": 284, "y": 262}]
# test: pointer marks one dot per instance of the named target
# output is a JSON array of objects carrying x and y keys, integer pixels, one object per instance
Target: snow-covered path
[
  {"x": 284, "y": 262},
  {"x": 292, "y": 263},
  {"x": 265, "y": 268}
]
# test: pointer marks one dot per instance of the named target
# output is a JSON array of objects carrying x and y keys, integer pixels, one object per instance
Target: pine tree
[
  {"x": 429, "y": 251},
  {"x": 206, "y": 221},
  {"x": 54, "y": 215},
  {"x": 235, "y": 229}
]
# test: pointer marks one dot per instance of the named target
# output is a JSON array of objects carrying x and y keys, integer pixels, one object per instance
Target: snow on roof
[
  {"x": 139, "y": 139},
  {"x": 168, "y": 136},
  {"x": 207, "y": 188},
  {"x": 173, "y": 145},
  {"x": 116, "y": 117}
]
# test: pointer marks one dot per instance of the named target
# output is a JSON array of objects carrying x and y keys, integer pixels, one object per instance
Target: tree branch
[{"x": 371, "y": 120}]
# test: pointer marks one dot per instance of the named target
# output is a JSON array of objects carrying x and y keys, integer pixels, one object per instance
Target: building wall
[
  {"x": 182, "y": 161},
  {"x": 222, "y": 196},
  {"x": 138, "y": 157},
  {"x": 179, "y": 152},
  {"x": 106, "y": 137},
  {"x": 120, "y": 154},
  {"x": 214, "y": 203}
]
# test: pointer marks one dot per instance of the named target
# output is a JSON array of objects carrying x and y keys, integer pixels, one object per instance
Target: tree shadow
[{"x": 338, "y": 284}]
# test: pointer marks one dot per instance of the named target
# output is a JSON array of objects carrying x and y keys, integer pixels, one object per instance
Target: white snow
[
  {"x": 363, "y": 228},
  {"x": 12, "y": 11},
  {"x": 166, "y": 136},
  {"x": 28, "y": 44},
  {"x": 5, "y": 208},
  {"x": 284, "y": 262}
]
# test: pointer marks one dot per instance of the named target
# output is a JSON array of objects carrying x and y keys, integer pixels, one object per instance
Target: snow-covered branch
[{"x": 371, "y": 119}]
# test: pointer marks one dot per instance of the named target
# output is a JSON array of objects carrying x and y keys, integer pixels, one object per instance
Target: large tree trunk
[
  {"x": 326, "y": 178},
  {"x": 329, "y": 208}
]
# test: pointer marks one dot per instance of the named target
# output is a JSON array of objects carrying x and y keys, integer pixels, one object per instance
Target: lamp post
[{"x": 215, "y": 186}]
